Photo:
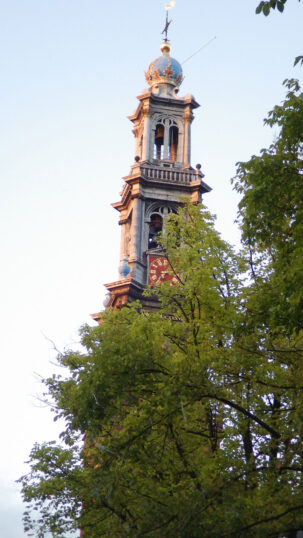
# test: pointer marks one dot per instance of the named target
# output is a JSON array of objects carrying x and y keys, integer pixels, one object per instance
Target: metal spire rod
[
  {"x": 168, "y": 6},
  {"x": 166, "y": 26}
]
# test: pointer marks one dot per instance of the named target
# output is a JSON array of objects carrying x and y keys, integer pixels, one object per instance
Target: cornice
[{"x": 147, "y": 99}]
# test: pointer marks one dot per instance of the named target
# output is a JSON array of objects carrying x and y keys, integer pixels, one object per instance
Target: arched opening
[
  {"x": 159, "y": 141},
  {"x": 155, "y": 227},
  {"x": 173, "y": 143}
]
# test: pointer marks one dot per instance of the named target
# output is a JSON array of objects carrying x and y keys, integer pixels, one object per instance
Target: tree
[
  {"x": 270, "y": 216},
  {"x": 191, "y": 416}
]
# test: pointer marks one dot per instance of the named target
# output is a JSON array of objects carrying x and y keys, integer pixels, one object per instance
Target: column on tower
[
  {"x": 146, "y": 142},
  {"x": 188, "y": 118}
]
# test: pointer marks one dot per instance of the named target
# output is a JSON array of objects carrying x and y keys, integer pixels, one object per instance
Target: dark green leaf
[
  {"x": 259, "y": 7},
  {"x": 298, "y": 59}
]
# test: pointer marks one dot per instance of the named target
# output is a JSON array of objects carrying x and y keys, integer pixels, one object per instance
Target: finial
[
  {"x": 167, "y": 22},
  {"x": 199, "y": 171},
  {"x": 124, "y": 268},
  {"x": 107, "y": 299}
]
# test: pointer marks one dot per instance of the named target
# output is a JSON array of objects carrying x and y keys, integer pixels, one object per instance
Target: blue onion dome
[{"x": 165, "y": 69}]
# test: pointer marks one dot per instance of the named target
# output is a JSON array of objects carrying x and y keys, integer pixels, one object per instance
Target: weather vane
[{"x": 167, "y": 23}]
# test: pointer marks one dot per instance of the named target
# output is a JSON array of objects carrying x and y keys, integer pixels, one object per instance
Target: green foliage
[
  {"x": 266, "y": 6},
  {"x": 192, "y": 416},
  {"x": 298, "y": 60},
  {"x": 271, "y": 213}
]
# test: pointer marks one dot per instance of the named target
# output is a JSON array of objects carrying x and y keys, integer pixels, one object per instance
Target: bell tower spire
[{"x": 159, "y": 179}]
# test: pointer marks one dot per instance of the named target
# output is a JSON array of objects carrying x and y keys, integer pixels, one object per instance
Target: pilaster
[{"x": 188, "y": 118}]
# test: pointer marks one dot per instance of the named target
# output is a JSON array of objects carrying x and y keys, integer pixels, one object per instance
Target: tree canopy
[{"x": 188, "y": 422}]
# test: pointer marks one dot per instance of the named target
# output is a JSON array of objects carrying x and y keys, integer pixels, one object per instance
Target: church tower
[{"x": 159, "y": 179}]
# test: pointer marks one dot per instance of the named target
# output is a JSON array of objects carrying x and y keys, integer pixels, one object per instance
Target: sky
[{"x": 70, "y": 71}]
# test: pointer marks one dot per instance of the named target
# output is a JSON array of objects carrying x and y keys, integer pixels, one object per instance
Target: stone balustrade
[{"x": 170, "y": 175}]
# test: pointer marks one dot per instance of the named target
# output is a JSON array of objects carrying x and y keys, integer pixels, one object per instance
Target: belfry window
[
  {"x": 159, "y": 141},
  {"x": 173, "y": 143},
  {"x": 155, "y": 227}
]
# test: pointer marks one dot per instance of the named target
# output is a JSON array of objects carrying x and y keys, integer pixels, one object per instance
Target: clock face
[{"x": 160, "y": 271}]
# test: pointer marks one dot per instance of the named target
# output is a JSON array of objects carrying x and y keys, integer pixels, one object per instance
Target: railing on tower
[{"x": 170, "y": 175}]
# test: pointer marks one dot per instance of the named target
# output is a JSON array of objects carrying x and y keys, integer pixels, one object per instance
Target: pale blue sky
[{"x": 70, "y": 72}]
